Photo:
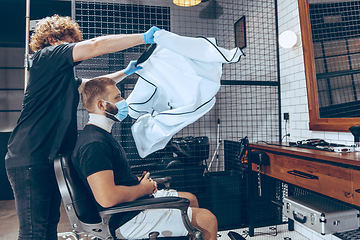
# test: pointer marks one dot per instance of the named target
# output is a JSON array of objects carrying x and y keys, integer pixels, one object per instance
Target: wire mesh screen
[
  {"x": 247, "y": 103},
  {"x": 336, "y": 36},
  {"x": 268, "y": 208}
]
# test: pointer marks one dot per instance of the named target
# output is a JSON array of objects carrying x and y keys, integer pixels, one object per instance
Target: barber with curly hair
[{"x": 48, "y": 124}]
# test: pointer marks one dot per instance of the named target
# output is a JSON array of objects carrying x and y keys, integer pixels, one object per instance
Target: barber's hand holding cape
[
  {"x": 149, "y": 34},
  {"x": 149, "y": 38},
  {"x": 131, "y": 68}
]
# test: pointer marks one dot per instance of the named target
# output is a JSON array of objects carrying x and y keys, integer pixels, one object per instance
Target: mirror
[{"x": 331, "y": 45}]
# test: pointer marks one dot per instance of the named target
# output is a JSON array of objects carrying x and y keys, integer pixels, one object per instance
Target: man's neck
[{"x": 101, "y": 121}]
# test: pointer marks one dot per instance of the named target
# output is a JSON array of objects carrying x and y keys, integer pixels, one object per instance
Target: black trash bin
[{"x": 226, "y": 195}]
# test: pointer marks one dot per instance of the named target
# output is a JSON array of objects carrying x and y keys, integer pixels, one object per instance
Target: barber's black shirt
[{"x": 48, "y": 123}]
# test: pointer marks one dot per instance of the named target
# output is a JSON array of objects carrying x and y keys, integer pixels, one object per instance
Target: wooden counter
[{"x": 336, "y": 175}]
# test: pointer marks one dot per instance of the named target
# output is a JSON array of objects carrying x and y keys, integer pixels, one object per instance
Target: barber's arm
[
  {"x": 107, "y": 194},
  {"x": 117, "y": 76},
  {"x": 120, "y": 75},
  {"x": 112, "y": 43}
]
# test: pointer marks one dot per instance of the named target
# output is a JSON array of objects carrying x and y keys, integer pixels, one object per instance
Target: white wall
[
  {"x": 294, "y": 95},
  {"x": 293, "y": 84}
]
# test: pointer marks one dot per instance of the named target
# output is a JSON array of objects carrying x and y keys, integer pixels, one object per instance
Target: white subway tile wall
[
  {"x": 293, "y": 84},
  {"x": 294, "y": 95}
]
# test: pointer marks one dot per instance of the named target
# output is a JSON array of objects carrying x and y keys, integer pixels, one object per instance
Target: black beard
[{"x": 113, "y": 110}]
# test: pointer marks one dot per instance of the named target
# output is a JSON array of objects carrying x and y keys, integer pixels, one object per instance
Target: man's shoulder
[
  {"x": 50, "y": 50},
  {"x": 87, "y": 150},
  {"x": 92, "y": 152},
  {"x": 93, "y": 132},
  {"x": 92, "y": 135}
]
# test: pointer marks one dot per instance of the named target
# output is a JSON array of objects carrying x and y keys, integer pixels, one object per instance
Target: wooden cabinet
[
  {"x": 314, "y": 172},
  {"x": 356, "y": 187},
  {"x": 319, "y": 177}
]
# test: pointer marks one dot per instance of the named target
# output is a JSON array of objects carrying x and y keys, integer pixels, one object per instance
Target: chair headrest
[{"x": 82, "y": 199}]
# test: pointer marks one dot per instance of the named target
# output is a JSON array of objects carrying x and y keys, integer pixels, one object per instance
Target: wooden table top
[{"x": 351, "y": 158}]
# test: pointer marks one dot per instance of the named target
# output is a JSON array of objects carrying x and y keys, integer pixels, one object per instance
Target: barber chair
[{"x": 84, "y": 216}]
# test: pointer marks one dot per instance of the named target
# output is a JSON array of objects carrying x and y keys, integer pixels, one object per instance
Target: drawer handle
[
  {"x": 357, "y": 190},
  {"x": 348, "y": 195},
  {"x": 302, "y": 174},
  {"x": 301, "y": 219}
]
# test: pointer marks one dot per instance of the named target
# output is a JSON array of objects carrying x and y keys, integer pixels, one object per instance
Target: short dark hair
[{"x": 95, "y": 89}]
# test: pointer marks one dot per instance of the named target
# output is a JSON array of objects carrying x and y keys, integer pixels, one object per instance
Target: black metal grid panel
[
  {"x": 98, "y": 18},
  {"x": 247, "y": 102},
  {"x": 336, "y": 35},
  {"x": 232, "y": 156},
  {"x": 265, "y": 209}
]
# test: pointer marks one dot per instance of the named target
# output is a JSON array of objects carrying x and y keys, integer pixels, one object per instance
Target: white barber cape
[{"x": 176, "y": 86}]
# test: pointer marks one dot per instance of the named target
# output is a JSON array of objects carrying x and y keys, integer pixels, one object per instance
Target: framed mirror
[{"x": 331, "y": 45}]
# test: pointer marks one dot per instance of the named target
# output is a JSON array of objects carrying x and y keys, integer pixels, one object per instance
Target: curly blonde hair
[{"x": 54, "y": 27}]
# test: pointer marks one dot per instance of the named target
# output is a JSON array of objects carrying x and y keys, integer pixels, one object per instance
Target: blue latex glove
[
  {"x": 131, "y": 68},
  {"x": 149, "y": 35}
]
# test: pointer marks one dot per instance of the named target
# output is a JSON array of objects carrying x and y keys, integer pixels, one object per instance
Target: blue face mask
[{"x": 123, "y": 110}]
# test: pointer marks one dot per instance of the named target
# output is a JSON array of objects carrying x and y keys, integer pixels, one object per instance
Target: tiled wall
[
  {"x": 294, "y": 95},
  {"x": 293, "y": 85}
]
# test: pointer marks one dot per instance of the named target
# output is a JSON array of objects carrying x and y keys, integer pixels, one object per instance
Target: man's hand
[
  {"x": 142, "y": 176},
  {"x": 149, "y": 185},
  {"x": 155, "y": 189}
]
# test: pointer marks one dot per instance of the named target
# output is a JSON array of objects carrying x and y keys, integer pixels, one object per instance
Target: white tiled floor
[
  {"x": 9, "y": 228},
  {"x": 260, "y": 234},
  {"x": 266, "y": 233},
  {"x": 310, "y": 234}
]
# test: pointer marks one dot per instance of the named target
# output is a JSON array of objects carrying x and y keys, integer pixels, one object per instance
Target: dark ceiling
[{"x": 12, "y": 17}]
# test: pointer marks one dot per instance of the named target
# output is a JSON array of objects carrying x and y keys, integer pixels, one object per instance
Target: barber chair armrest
[
  {"x": 150, "y": 203},
  {"x": 162, "y": 180},
  {"x": 156, "y": 203}
]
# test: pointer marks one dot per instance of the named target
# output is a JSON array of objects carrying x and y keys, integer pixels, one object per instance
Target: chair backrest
[{"x": 74, "y": 192}]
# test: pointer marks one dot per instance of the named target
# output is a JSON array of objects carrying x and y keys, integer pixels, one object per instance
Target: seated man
[{"x": 103, "y": 166}]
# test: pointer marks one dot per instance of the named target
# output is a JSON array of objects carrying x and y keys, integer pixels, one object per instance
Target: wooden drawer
[
  {"x": 356, "y": 187},
  {"x": 323, "y": 178}
]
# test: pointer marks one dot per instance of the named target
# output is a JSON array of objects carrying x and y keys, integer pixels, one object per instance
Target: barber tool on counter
[
  {"x": 355, "y": 130},
  {"x": 321, "y": 144}
]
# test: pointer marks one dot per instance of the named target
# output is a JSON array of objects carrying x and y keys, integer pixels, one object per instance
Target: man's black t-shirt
[
  {"x": 48, "y": 122},
  {"x": 96, "y": 150}
]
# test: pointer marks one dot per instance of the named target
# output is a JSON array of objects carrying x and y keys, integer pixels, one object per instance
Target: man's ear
[{"x": 101, "y": 105}]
